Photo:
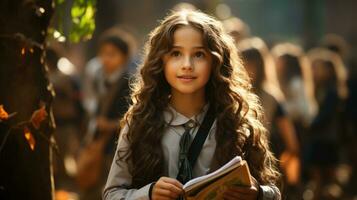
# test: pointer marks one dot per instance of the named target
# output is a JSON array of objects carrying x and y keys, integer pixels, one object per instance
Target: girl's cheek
[{"x": 176, "y": 63}]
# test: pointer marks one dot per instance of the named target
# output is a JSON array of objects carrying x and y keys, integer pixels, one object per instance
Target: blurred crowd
[{"x": 307, "y": 96}]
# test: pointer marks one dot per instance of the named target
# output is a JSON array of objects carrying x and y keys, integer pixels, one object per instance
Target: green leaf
[
  {"x": 83, "y": 26},
  {"x": 83, "y": 19},
  {"x": 77, "y": 11}
]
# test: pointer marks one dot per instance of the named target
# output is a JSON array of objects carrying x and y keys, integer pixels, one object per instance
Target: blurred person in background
[
  {"x": 285, "y": 146},
  {"x": 68, "y": 113},
  {"x": 351, "y": 124},
  {"x": 327, "y": 128},
  {"x": 94, "y": 66},
  {"x": 337, "y": 44},
  {"x": 184, "y": 6},
  {"x": 236, "y": 28},
  {"x": 110, "y": 91},
  {"x": 296, "y": 82}
]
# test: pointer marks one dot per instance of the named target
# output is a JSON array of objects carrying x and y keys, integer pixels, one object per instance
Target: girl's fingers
[
  {"x": 166, "y": 194},
  {"x": 163, "y": 195},
  {"x": 255, "y": 182},
  {"x": 173, "y": 181},
  {"x": 172, "y": 188},
  {"x": 167, "y": 188},
  {"x": 172, "y": 185}
]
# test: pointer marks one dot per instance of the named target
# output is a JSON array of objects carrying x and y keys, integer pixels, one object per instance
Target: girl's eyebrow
[{"x": 180, "y": 47}]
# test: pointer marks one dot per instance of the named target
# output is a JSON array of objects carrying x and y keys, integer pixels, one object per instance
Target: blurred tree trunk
[{"x": 25, "y": 173}]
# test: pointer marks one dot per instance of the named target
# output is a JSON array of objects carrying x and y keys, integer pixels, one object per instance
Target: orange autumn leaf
[
  {"x": 38, "y": 116},
  {"x": 3, "y": 114},
  {"x": 30, "y": 139}
]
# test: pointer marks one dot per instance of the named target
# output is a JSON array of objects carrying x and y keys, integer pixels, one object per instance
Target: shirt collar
[{"x": 174, "y": 118}]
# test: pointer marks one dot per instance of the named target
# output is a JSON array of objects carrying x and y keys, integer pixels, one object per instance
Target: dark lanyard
[{"x": 200, "y": 138}]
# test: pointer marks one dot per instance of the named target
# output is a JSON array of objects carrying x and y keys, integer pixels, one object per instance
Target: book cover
[{"x": 213, "y": 185}]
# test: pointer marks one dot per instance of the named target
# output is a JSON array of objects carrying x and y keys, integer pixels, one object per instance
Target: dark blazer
[{"x": 113, "y": 105}]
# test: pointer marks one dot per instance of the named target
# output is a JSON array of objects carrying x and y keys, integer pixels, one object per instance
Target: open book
[{"x": 213, "y": 185}]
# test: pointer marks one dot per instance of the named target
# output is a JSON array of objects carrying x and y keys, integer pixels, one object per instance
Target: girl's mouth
[{"x": 186, "y": 78}]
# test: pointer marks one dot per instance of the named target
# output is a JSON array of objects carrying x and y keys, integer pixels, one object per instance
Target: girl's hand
[
  {"x": 166, "y": 189},
  {"x": 242, "y": 192}
]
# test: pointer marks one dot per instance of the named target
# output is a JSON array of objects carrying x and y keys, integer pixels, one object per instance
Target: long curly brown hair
[{"x": 238, "y": 112}]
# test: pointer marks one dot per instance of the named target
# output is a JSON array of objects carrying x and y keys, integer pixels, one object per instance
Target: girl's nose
[{"x": 187, "y": 63}]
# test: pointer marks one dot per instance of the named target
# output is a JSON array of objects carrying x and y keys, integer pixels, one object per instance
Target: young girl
[{"x": 190, "y": 65}]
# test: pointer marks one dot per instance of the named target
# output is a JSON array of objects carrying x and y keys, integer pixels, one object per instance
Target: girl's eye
[
  {"x": 175, "y": 54},
  {"x": 200, "y": 54}
]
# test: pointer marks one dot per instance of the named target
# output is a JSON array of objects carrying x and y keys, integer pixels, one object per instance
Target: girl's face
[
  {"x": 188, "y": 65},
  {"x": 111, "y": 57}
]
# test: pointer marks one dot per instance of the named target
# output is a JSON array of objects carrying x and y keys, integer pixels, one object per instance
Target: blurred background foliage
[{"x": 74, "y": 24}]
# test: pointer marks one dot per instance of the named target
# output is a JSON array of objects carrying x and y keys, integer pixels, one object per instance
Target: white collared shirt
[{"x": 171, "y": 142}]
